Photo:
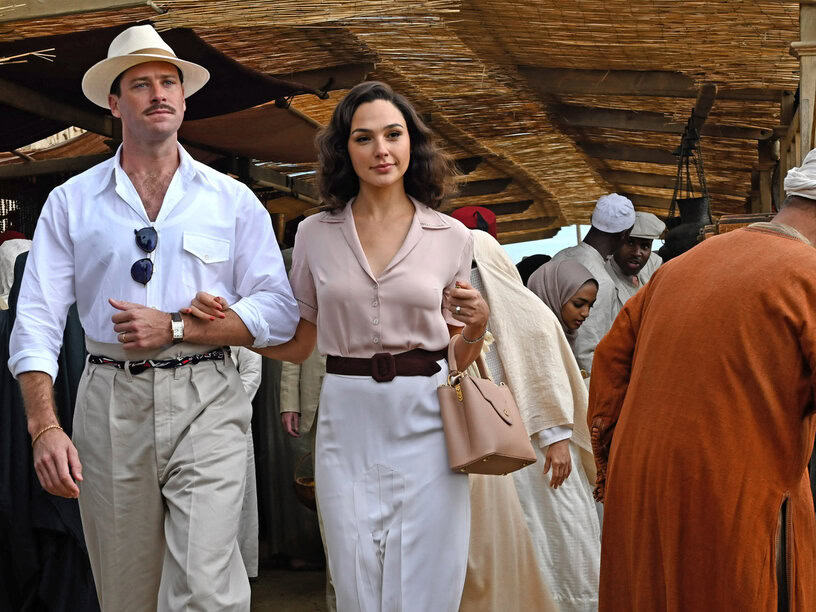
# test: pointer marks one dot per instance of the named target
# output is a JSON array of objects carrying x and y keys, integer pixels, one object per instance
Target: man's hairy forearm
[
  {"x": 228, "y": 331},
  {"x": 38, "y": 396}
]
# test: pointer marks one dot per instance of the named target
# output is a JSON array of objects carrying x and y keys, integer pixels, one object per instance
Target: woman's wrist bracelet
[
  {"x": 475, "y": 340},
  {"x": 42, "y": 431}
]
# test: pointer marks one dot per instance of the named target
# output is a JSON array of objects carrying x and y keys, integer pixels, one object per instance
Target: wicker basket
[{"x": 305, "y": 485}]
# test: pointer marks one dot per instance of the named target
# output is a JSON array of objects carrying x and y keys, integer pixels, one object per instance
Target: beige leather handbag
[{"x": 483, "y": 428}]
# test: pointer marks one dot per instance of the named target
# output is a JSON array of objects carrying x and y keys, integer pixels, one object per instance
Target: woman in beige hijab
[{"x": 531, "y": 354}]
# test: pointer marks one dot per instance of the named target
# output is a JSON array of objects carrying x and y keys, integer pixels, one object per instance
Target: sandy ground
[{"x": 281, "y": 590}]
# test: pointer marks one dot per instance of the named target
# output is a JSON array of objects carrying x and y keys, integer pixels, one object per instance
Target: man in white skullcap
[
  {"x": 701, "y": 411},
  {"x": 612, "y": 219},
  {"x": 158, "y": 451},
  {"x": 633, "y": 263}
]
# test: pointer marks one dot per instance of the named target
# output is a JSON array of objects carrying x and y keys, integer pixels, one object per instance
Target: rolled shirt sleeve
[
  {"x": 46, "y": 293},
  {"x": 302, "y": 282},
  {"x": 267, "y": 306}
]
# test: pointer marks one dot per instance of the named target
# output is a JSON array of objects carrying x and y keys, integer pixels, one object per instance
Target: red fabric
[
  {"x": 467, "y": 215},
  {"x": 11, "y": 235},
  {"x": 702, "y": 395}
]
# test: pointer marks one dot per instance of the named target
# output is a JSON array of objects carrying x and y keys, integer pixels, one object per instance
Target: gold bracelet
[
  {"x": 42, "y": 431},
  {"x": 475, "y": 340}
]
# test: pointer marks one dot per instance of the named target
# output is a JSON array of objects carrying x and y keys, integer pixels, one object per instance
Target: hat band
[{"x": 154, "y": 51}]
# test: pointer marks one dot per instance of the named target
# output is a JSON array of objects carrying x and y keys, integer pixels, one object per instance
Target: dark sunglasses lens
[
  {"x": 146, "y": 239},
  {"x": 142, "y": 271}
]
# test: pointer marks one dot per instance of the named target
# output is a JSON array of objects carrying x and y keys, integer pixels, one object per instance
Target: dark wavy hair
[{"x": 430, "y": 177}]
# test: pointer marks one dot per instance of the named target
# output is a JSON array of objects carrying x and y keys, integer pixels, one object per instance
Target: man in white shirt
[
  {"x": 633, "y": 263},
  {"x": 612, "y": 219},
  {"x": 161, "y": 415}
]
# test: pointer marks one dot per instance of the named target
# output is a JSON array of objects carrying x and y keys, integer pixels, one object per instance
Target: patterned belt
[{"x": 137, "y": 367}]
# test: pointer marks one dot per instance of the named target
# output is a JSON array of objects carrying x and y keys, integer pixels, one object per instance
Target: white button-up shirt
[{"x": 213, "y": 235}]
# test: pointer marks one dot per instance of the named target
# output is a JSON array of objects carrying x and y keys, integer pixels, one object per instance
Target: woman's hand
[
  {"x": 467, "y": 305},
  {"x": 207, "y": 307},
  {"x": 558, "y": 457}
]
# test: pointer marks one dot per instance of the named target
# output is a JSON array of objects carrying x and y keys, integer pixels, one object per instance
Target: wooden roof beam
[
  {"x": 632, "y": 153},
  {"x": 51, "y": 166},
  {"x": 508, "y": 237},
  {"x": 500, "y": 208},
  {"x": 31, "y": 101},
  {"x": 18, "y": 11},
  {"x": 568, "y": 81},
  {"x": 485, "y": 187},
  {"x": 519, "y": 225},
  {"x": 640, "y": 200},
  {"x": 466, "y": 165},
  {"x": 578, "y": 116},
  {"x": 332, "y": 78},
  {"x": 261, "y": 175},
  {"x": 660, "y": 181}
]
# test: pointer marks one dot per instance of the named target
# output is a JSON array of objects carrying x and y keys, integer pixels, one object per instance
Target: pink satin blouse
[{"x": 358, "y": 315}]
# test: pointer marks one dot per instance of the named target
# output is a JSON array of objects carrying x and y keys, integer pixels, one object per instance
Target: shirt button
[
  {"x": 206, "y": 257},
  {"x": 375, "y": 303},
  {"x": 376, "y": 340},
  {"x": 376, "y": 321}
]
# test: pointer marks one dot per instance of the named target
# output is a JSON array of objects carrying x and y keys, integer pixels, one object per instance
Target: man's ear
[{"x": 113, "y": 102}]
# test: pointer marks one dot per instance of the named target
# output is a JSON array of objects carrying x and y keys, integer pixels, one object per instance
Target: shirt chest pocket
[{"x": 206, "y": 259}]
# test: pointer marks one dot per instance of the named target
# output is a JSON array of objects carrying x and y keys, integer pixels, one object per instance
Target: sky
[{"x": 566, "y": 237}]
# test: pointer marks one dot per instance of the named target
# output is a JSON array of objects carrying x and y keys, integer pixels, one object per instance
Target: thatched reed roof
[{"x": 552, "y": 104}]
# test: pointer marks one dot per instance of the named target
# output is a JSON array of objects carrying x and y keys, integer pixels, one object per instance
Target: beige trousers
[{"x": 164, "y": 465}]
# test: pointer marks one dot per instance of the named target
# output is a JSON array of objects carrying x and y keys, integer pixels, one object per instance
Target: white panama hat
[{"x": 137, "y": 45}]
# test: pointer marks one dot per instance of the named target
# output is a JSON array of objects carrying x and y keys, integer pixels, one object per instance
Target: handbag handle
[{"x": 480, "y": 361}]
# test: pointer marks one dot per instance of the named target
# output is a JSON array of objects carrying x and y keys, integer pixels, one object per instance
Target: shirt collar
[
  {"x": 112, "y": 167},
  {"x": 428, "y": 218}
]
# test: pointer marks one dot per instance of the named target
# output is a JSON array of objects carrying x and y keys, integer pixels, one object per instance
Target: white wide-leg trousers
[{"x": 396, "y": 518}]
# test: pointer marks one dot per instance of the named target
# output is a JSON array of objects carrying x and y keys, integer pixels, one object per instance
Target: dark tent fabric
[
  {"x": 232, "y": 86},
  {"x": 43, "y": 560}
]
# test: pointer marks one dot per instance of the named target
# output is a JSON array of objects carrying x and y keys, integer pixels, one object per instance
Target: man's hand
[
  {"x": 57, "y": 463},
  {"x": 558, "y": 457},
  {"x": 140, "y": 327},
  {"x": 291, "y": 423}
]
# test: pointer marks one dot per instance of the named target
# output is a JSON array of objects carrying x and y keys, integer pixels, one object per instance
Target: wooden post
[
  {"x": 805, "y": 50},
  {"x": 765, "y": 167},
  {"x": 755, "y": 198},
  {"x": 784, "y": 164}
]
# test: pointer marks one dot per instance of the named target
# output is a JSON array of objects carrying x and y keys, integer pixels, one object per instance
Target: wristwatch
[{"x": 177, "y": 324}]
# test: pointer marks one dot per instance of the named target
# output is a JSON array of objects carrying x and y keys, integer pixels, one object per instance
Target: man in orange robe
[{"x": 701, "y": 410}]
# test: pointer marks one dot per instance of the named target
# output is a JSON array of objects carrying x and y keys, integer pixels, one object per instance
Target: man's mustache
[{"x": 157, "y": 107}]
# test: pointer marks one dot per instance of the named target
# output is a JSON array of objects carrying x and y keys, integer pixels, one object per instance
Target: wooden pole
[
  {"x": 765, "y": 167},
  {"x": 805, "y": 50}
]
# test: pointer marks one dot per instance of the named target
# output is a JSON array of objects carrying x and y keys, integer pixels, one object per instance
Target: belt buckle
[{"x": 383, "y": 367}]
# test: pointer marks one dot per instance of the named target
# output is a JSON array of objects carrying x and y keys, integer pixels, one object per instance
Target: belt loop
[
  {"x": 227, "y": 357},
  {"x": 128, "y": 373}
]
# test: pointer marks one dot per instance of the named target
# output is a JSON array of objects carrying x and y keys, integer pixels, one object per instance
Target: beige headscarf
[{"x": 537, "y": 360}]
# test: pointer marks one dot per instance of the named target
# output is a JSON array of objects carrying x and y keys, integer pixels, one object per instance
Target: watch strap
[{"x": 177, "y": 325}]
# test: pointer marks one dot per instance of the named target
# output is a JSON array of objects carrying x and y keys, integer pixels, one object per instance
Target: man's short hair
[{"x": 116, "y": 86}]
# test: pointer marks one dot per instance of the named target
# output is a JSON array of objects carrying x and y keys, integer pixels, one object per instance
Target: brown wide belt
[{"x": 383, "y": 367}]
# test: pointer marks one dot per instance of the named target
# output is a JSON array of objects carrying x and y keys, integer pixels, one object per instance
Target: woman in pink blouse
[{"x": 382, "y": 283}]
